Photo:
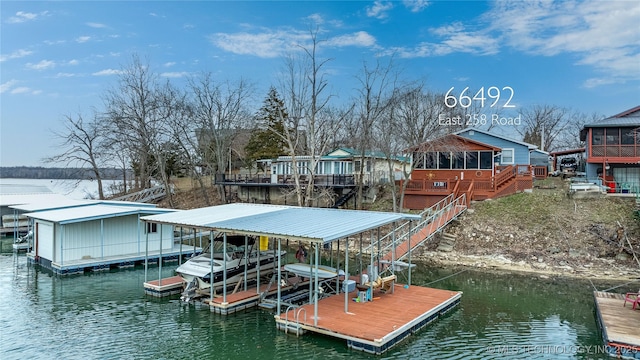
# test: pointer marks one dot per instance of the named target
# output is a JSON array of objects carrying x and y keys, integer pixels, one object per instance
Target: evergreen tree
[{"x": 267, "y": 140}]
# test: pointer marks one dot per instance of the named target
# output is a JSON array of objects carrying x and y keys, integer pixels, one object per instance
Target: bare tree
[
  {"x": 131, "y": 110},
  {"x": 219, "y": 111},
  {"x": 542, "y": 125},
  {"x": 304, "y": 91},
  {"x": 417, "y": 116},
  {"x": 378, "y": 86},
  {"x": 83, "y": 146}
]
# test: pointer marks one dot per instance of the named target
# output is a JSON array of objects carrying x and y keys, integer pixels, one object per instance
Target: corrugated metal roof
[
  {"x": 302, "y": 223},
  {"x": 92, "y": 212},
  {"x": 530, "y": 146}
]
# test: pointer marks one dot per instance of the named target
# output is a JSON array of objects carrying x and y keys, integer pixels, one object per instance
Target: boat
[
  {"x": 309, "y": 271},
  {"x": 197, "y": 271},
  {"x": 23, "y": 243}
]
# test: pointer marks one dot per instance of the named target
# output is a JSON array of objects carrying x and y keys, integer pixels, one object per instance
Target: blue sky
[{"x": 59, "y": 58}]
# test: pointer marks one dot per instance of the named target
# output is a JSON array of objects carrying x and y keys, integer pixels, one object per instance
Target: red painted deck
[
  {"x": 376, "y": 322},
  {"x": 170, "y": 281}
]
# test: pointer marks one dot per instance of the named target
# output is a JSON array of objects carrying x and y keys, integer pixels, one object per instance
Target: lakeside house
[
  {"x": 613, "y": 151},
  {"x": 337, "y": 171},
  {"x": 457, "y": 164}
]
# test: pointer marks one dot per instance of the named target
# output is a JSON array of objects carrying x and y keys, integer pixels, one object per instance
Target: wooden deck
[
  {"x": 373, "y": 326},
  {"x": 619, "y": 324}
]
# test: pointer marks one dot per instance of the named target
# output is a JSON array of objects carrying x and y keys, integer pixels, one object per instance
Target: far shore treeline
[{"x": 38, "y": 172}]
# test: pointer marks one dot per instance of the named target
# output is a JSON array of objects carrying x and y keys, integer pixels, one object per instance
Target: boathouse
[
  {"x": 613, "y": 151},
  {"x": 73, "y": 236},
  {"x": 332, "y": 312}
]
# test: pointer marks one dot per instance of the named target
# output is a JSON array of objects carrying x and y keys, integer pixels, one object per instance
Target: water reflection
[{"x": 107, "y": 315}]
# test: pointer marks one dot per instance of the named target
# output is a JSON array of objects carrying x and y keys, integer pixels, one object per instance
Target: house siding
[{"x": 521, "y": 152}]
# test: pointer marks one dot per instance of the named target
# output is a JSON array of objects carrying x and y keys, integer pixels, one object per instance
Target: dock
[
  {"x": 372, "y": 326},
  {"x": 619, "y": 325},
  {"x": 164, "y": 287}
]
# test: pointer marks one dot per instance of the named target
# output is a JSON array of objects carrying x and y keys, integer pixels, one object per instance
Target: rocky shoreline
[{"x": 600, "y": 269}]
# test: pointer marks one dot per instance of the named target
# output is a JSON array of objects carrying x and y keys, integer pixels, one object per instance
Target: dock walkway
[{"x": 619, "y": 325}]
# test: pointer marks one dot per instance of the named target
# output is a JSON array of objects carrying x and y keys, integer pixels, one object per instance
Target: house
[
  {"x": 338, "y": 170},
  {"x": 613, "y": 150},
  {"x": 96, "y": 235},
  {"x": 455, "y": 164}
]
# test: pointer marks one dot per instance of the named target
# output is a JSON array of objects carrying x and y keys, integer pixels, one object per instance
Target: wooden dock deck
[
  {"x": 373, "y": 326},
  {"x": 619, "y": 325}
]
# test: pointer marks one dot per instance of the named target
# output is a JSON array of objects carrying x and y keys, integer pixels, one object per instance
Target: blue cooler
[{"x": 348, "y": 286}]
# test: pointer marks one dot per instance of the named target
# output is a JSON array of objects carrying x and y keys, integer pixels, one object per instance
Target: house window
[
  {"x": 458, "y": 160},
  {"x": 507, "y": 156},
  {"x": 327, "y": 167},
  {"x": 486, "y": 158},
  {"x": 613, "y": 136},
  {"x": 418, "y": 160},
  {"x": 152, "y": 228},
  {"x": 368, "y": 166},
  {"x": 471, "y": 160},
  {"x": 357, "y": 166},
  {"x": 627, "y": 136},
  {"x": 597, "y": 135},
  {"x": 431, "y": 160},
  {"x": 445, "y": 160}
]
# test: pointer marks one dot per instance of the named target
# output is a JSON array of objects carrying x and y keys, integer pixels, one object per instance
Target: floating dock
[
  {"x": 619, "y": 325},
  {"x": 164, "y": 287},
  {"x": 372, "y": 326}
]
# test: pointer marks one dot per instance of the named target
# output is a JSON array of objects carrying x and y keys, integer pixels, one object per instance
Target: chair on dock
[
  {"x": 633, "y": 298},
  {"x": 384, "y": 284}
]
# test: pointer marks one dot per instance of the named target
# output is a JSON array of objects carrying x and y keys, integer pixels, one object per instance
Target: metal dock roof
[
  {"x": 300, "y": 223},
  {"x": 92, "y": 212}
]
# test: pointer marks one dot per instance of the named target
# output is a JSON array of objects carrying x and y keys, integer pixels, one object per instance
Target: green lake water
[{"x": 107, "y": 316}]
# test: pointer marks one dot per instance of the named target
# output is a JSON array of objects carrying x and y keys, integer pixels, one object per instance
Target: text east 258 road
[{"x": 473, "y": 120}]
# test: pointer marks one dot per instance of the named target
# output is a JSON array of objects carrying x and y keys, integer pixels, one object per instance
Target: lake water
[
  {"x": 74, "y": 189},
  {"x": 108, "y": 316}
]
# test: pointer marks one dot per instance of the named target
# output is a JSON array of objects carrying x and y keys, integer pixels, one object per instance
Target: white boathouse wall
[{"x": 100, "y": 238}]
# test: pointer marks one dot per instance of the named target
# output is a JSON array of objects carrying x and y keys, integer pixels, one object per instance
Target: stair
[
  {"x": 435, "y": 219},
  {"x": 345, "y": 197},
  {"x": 447, "y": 242}
]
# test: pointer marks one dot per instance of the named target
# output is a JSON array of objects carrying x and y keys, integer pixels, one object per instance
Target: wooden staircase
[{"x": 434, "y": 220}]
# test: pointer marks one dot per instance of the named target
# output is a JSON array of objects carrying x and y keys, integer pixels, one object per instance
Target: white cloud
[
  {"x": 22, "y": 16},
  {"x": 379, "y": 9},
  {"x": 56, "y": 42},
  {"x": 83, "y": 39},
  {"x": 73, "y": 62},
  {"x": 455, "y": 39},
  {"x": 16, "y": 55},
  {"x": 416, "y": 5},
  {"x": 169, "y": 64},
  {"x": 64, "y": 75},
  {"x": 268, "y": 44},
  {"x": 316, "y": 19},
  {"x": 600, "y": 34},
  {"x": 360, "y": 38},
  {"x": 7, "y": 85},
  {"x": 42, "y": 65},
  {"x": 174, "y": 74},
  {"x": 20, "y": 90},
  {"x": 96, "y": 25},
  {"x": 107, "y": 72}
]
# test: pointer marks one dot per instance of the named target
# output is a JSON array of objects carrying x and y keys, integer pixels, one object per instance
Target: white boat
[
  {"x": 197, "y": 271},
  {"x": 309, "y": 271}
]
